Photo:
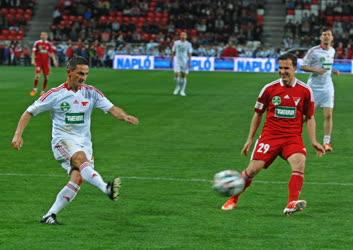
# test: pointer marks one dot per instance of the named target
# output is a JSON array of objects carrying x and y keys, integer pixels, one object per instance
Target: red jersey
[
  {"x": 286, "y": 107},
  {"x": 42, "y": 50}
]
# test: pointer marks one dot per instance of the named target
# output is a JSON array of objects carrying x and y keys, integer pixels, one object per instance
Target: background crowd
[{"x": 100, "y": 29}]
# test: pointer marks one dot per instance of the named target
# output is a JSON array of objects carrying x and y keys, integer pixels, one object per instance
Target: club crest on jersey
[
  {"x": 296, "y": 100},
  {"x": 64, "y": 106},
  {"x": 84, "y": 104},
  {"x": 276, "y": 100}
]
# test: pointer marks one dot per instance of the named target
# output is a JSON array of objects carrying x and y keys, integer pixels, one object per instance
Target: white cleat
[
  {"x": 182, "y": 94},
  {"x": 294, "y": 206},
  {"x": 176, "y": 91}
]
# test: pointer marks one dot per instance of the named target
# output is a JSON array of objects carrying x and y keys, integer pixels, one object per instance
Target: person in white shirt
[
  {"x": 319, "y": 61},
  {"x": 182, "y": 51},
  {"x": 71, "y": 105}
]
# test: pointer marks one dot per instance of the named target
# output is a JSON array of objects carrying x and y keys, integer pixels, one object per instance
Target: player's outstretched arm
[
  {"x": 336, "y": 72},
  {"x": 311, "y": 125},
  {"x": 121, "y": 115},
  {"x": 17, "y": 140},
  {"x": 319, "y": 71},
  {"x": 254, "y": 125}
]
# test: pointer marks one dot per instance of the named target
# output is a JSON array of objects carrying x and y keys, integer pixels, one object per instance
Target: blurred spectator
[{"x": 230, "y": 51}]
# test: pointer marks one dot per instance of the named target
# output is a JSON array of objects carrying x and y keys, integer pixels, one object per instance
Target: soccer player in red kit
[
  {"x": 288, "y": 103},
  {"x": 41, "y": 53}
]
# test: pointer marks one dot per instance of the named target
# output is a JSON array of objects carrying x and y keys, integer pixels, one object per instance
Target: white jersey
[
  {"x": 182, "y": 50},
  {"x": 320, "y": 58},
  {"x": 71, "y": 111}
]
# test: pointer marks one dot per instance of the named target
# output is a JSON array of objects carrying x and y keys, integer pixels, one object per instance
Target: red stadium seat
[
  {"x": 2, "y": 37},
  {"x": 291, "y": 12},
  {"x": 27, "y": 17},
  {"x": 5, "y": 32},
  {"x": 29, "y": 12},
  {"x": 20, "y": 11},
  {"x": 346, "y": 19},
  {"x": 338, "y": 18},
  {"x": 4, "y": 11},
  {"x": 330, "y": 20},
  {"x": 12, "y": 11}
]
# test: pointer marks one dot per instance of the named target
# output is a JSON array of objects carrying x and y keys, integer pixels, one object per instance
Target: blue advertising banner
[{"x": 127, "y": 62}]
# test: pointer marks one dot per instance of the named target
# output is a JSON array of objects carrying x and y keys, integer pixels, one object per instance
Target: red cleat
[
  {"x": 294, "y": 206},
  {"x": 33, "y": 92},
  {"x": 328, "y": 147},
  {"x": 231, "y": 203}
]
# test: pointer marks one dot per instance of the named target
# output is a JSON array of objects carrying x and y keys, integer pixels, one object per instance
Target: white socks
[
  {"x": 183, "y": 85},
  {"x": 327, "y": 139},
  {"x": 64, "y": 197},
  {"x": 92, "y": 176},
  {"x": 180, "y": 85}
]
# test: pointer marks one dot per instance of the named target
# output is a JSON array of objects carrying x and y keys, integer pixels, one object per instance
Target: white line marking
[{"x": 178, "y": 179}]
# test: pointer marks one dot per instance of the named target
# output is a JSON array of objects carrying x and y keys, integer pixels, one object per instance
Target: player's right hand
[
  {"x": 320, "y": 150},
  {"x": 321, "y": 71},
  {"x": 247, "y": 147},
  {"x": 17, "y": 142}
]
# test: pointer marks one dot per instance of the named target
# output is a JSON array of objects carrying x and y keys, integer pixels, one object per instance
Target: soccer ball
[{"x": 228, "y": 182}]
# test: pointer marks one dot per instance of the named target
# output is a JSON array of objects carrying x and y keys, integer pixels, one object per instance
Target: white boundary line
[{"x": 179, "y": 179}]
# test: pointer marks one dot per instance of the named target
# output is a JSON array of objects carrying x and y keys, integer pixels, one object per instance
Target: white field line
[{"x": 177, "y": 179}]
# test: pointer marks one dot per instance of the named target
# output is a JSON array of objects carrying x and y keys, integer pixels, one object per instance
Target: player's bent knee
[
  {"x": 78, "y": 158},
  {"x": 297, "y": 162},
  {"x": 76, "y": 176}
]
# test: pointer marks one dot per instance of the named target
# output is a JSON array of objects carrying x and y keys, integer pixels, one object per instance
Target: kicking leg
[{"x": 253, "y": 168}]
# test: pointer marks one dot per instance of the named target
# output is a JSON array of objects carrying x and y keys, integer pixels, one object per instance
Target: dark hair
[
  {"x": 290, "y": 56},
  {"x": 327, "y": 29},
  {"x": 74, "y": 61}
]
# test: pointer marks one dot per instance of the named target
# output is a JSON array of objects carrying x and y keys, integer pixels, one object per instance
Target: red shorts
[
  {"x": 267, "y": 148},
  {"x": 42, "y": 67}
]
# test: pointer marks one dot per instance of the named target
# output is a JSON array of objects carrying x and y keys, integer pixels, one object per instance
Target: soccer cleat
[
  {"x": 294, "y": 206},
  {"x": 42, "y": 92},
  {"x": 113, "y": 189},
  {"x": 176, "y": 91},
  {"x": 182, "y": 94},
  {"x": 230, "y": 204},
  {"x": 50, "y": 219},
  {"x": 33, "y": 92},
  {"x": 328, "y": 147}
]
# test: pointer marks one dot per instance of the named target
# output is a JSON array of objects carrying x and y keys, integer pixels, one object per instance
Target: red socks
[
  {"x": 35, "y": 83},
  {"x": 295, "y": 185},
  {"x": 45, "y": 84}
]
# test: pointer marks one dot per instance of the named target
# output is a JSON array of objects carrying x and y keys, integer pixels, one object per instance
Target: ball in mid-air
[{"x": 228, "y": 182}]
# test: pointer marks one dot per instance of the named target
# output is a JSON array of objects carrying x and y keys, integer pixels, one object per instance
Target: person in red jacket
[{"x": 230, "y": 51}]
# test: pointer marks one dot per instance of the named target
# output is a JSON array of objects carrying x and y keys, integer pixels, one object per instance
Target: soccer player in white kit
[
  {"x": 319, "y": 61},
  {"x": 182, "y": 50},
  {"x": 71, "y": 105}
]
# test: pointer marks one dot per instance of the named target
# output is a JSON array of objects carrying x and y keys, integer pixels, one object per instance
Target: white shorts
[
  {"x": 324, "y": 98},
  {"x": 64, "y": 149},
  {"x": 181, "y": 67}
]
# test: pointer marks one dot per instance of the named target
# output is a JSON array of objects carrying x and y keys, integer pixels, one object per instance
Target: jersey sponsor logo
[
  {"x": 286, "y": 97},
  {"x": 65, "y": 106},
  {"x": 285, "y": 112},
  {"x": 75, "y": 118},
  {"x": 276, "y": 100},
  {"x": 259, "y": 105}
]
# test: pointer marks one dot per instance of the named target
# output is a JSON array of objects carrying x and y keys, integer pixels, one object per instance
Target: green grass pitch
[{"x": 166, "y": 164}]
